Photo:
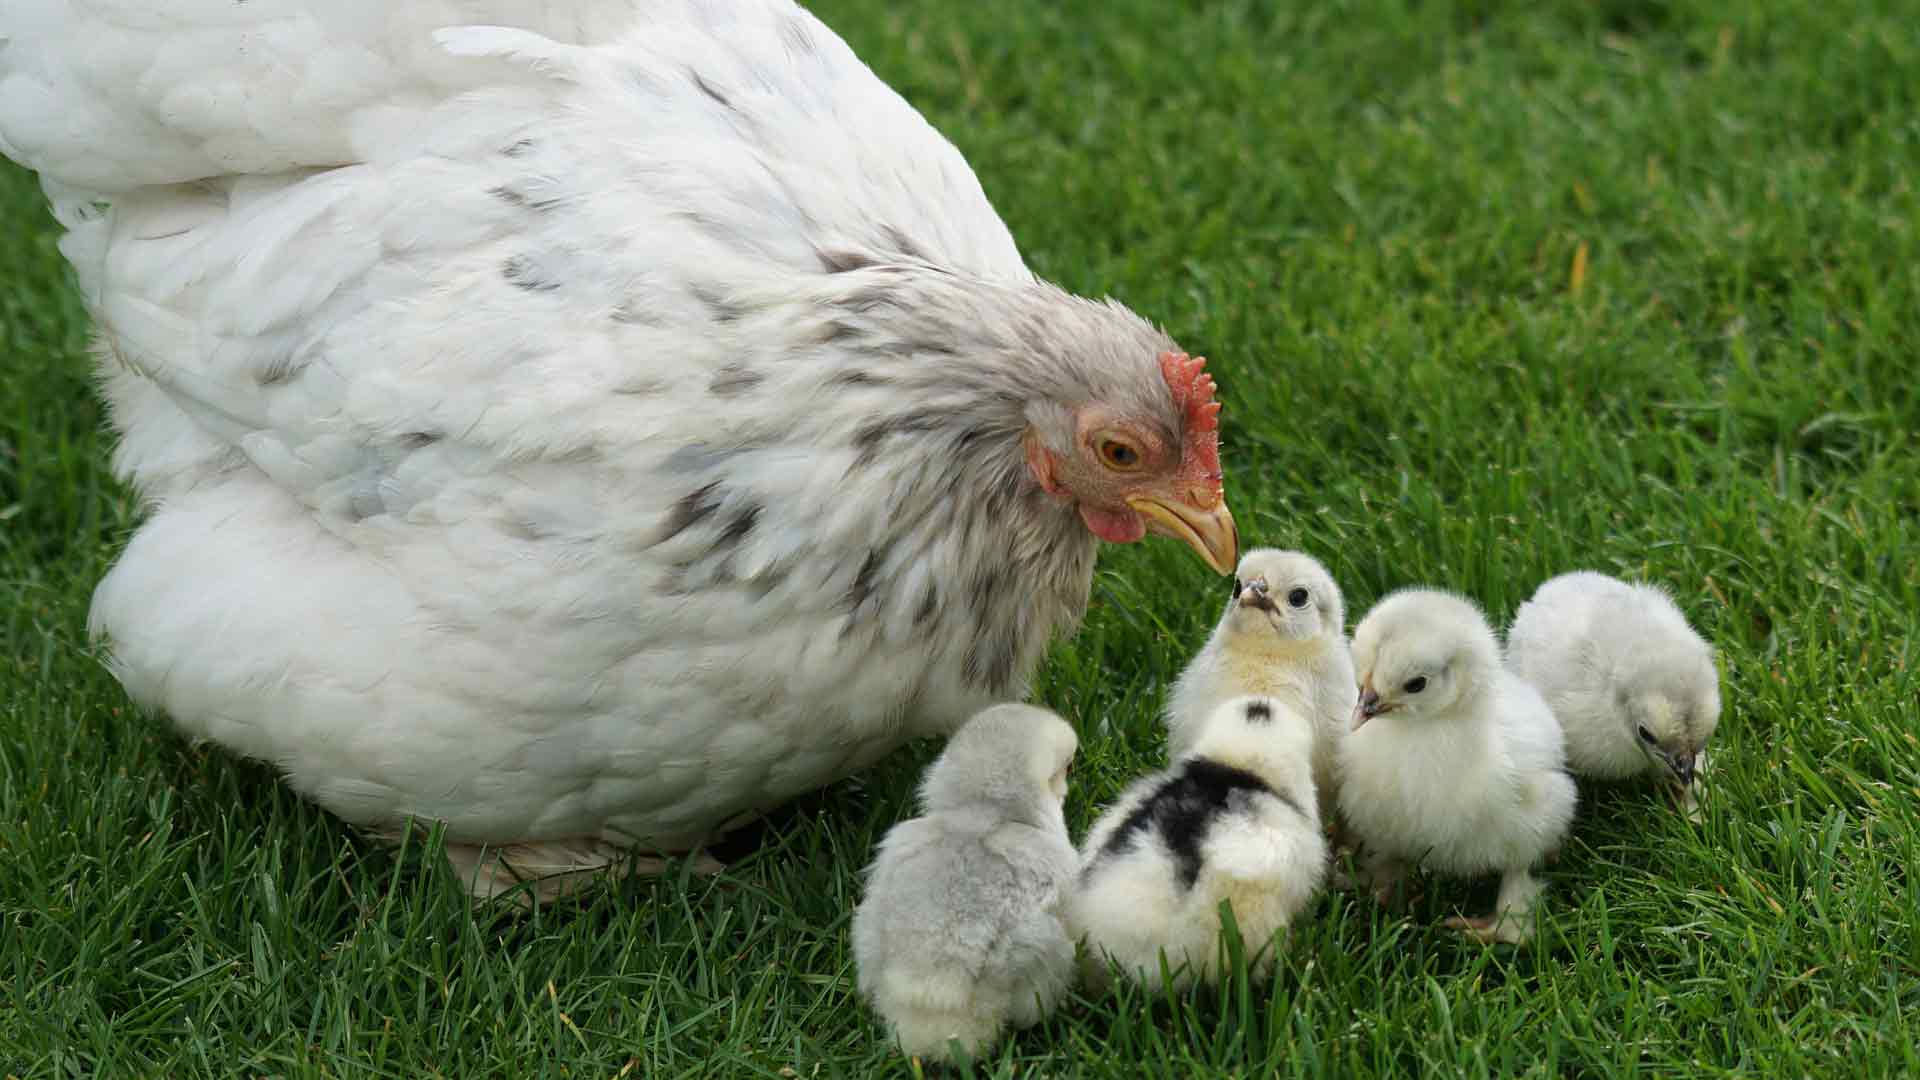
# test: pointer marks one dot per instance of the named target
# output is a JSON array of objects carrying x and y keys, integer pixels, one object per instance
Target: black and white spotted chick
[{"x": 1234, "y": 819}]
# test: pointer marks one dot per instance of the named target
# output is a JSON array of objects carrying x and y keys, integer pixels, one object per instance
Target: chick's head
[
  {"x": 1013, "y": 758},
  {"x": 1418, "y": 653},
  {"x": 1670, "y": 701},
  {"x": 1286, "y": 593}
]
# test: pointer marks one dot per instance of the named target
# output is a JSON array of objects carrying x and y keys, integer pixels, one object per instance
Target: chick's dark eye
[
  {"x": 1238, "y": 587},
  {"x": 1119, "y": 454},
  {"x": 1645, "y": 735},
  {"x": 1415, "y": 684},
  {"x": 1298, "y": 598}
]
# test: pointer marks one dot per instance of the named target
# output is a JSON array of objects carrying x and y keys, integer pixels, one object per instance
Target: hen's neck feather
[{"x": 900, "y": 395}]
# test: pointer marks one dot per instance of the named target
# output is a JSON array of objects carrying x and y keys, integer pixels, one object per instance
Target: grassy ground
[{"x": 1495, "y": 290}]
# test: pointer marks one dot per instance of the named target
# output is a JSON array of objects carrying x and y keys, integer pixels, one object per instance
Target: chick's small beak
[
  {"x": 1366, "y": 708},
  {"x": 1255, "y": 595},
  {"x": 1682, "y": 766},
  {"x": 1207, "y": 529}
]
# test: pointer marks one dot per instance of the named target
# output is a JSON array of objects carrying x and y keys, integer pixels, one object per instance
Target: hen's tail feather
[{"x": 102, "y": 98}]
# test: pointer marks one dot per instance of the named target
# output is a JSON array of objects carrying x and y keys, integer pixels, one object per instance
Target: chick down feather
[
  {"x": 1281, "y": 635},
  {"x": 1455, "y": 764},
  {"x": 960, "y": 933},
  {"x": 1633, "y": 686},
  {"x": 1233, "y": 821}
]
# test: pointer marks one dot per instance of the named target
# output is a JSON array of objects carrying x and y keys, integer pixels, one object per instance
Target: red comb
[{"x": 1192, "y": 390}]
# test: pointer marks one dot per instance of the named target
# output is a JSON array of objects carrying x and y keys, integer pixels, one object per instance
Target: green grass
[{"x": 1369, "y": 213}]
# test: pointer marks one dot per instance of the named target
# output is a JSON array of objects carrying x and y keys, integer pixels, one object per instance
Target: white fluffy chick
[
  {"x": 1633, "y": 686},
  {"x": 961, "y": 930},
  {"x": 1233, "y": 820},
  {"x": 1282, "y": 635},
  {"x": 1453, "y": 763}
]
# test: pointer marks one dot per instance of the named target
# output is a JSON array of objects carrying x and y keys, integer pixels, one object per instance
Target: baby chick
[
  {"x": 1633, "y": 686},
  {"x": 960, "y": 932},
  {"x": 1283, "y": 635},
  {"x": 1234, "y": 819},
  {"x": 1453, "y": 762}
]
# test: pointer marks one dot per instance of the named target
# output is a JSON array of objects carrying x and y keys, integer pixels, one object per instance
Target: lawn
[{"x": 1494, "y": 290}]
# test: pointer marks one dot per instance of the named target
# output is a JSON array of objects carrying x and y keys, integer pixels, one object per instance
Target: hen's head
[{"x": 1143, "y": 459}]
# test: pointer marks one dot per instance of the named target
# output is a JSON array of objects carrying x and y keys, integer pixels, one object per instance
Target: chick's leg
[
  {"x": 1386, "y": 877},
  {"x": 1512, "y": 920}
]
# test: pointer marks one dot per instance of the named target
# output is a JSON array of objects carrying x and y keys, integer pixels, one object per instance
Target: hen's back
[{"x": 241, "y": 181}]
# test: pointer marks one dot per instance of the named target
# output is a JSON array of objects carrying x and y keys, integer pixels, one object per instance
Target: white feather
[
  {"x": 1614, "y": 660},
  {"x": 417, "y": 353}
]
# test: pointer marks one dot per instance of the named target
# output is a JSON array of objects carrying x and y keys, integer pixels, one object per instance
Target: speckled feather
[{"x": 592, "y": 433}]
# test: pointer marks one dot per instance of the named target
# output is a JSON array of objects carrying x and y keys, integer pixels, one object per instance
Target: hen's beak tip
[{"x": 1209, "y": 531}]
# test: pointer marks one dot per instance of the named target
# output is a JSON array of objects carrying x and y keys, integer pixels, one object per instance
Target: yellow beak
[{"x": 1210, "y": 533}]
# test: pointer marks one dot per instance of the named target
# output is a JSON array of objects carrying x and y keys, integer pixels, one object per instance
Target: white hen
[
  {"x": 1633, "y": 686},
  {"x": 589, "y": 433},
  {"x": 1454, "y": 763}
]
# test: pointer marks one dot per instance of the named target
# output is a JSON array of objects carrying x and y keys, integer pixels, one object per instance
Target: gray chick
[
  {"x": 1633, "y": 686},
  {"x": 960, "y": 932}
]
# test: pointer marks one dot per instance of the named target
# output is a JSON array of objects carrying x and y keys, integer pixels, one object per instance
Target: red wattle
[{"x": 1114, "y": 526}]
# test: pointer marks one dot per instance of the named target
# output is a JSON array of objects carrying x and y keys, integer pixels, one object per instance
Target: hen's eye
[
  {"x": 1415, "y": 684},
  {"x": 1298, "y": 598},
  {"x": 1645, "y": 735},
  {"x": 1119, "y": 455}
]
